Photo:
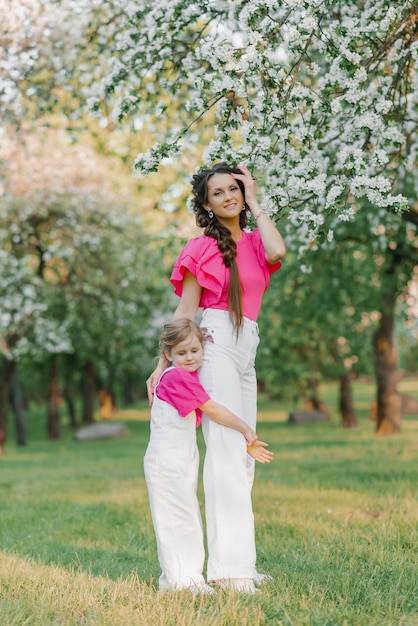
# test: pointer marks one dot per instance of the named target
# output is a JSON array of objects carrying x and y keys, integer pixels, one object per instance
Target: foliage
[
  {"x": 41, "y": 44},
  {"x": 80, "y": 275},
  {"x": 25, "y": 326},
  {"x": 319, "y": 97},
  {"x": 318, "y": 325},
  {"x": 320, "y": 322}
]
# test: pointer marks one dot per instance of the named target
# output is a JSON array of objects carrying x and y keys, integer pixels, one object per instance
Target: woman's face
[{"x": 225, "y": 197}]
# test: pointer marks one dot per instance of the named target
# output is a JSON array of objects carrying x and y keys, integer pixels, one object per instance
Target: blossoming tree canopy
[{"x": 319, "y": 97}]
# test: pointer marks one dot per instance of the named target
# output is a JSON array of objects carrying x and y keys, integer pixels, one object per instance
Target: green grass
[{"x": 336, "y": 518}]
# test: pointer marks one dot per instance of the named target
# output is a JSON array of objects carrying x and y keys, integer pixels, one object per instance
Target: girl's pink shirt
[
  {"x": 202, "y": 257},
  {"x": 183, "y": 391}
]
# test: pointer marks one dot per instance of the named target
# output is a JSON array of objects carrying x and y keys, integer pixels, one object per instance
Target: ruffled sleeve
[
  {"x": 203, "y": 259},
  {"x": 259, "y": 249}
]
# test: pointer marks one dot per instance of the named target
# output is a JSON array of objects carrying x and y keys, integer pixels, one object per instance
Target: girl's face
[
  {"x": 187, "y": 355},
  {"x": 225, "y": 197}
]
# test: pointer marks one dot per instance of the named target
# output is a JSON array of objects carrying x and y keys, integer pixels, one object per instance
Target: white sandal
[{"x": 240, "y": 585}]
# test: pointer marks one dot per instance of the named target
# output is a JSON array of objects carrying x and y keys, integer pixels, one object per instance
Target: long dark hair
[{"x": 214, "y": 228}]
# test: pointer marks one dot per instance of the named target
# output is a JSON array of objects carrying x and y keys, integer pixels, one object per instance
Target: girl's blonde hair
[{"x": 177, "y": 331}]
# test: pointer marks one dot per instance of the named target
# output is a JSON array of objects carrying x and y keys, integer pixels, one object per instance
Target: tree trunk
[
  {"x": 6, "y": 373},
  {"x": 18, "y": 410},
  {"x": 389, "y": 401},
  {"x": 54, "y": 399},
  {"x": 68, "y": 397},
  {"x": 312, "y": 400},
  {"x": 127, "y": 391},
  {"x": 348, "y": 414},
  {"x": 89, "y": 393}
]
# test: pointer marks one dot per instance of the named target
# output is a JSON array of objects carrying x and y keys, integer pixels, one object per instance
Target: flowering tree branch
[{"x": 320, "y": 98}]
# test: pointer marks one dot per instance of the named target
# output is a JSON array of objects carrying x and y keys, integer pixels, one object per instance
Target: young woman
[
  {"x": 171, "y": 461},
  {"x": 226, "y": 272}
]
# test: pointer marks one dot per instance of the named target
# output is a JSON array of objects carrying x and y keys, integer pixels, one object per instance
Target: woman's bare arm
[{"x": 189, "y": 303}]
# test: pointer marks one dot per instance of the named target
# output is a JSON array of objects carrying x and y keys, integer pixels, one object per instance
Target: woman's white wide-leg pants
[{"x": 228, "y": 375}]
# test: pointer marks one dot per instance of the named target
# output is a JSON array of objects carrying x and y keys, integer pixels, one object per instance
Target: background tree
[
  {"x": 322, "y": 326},
  {"x": 93, "y": 275},
  {"x": 320, "y": 99}
]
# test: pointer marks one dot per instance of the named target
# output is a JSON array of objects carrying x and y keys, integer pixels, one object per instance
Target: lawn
[{"x": 336, "y": 518}]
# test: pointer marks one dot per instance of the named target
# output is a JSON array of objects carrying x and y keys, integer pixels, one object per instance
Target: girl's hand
[{"x": 257, "y": 451}]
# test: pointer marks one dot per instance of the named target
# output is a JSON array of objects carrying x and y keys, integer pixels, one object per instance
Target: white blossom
[{"x": 323, "y": 108}]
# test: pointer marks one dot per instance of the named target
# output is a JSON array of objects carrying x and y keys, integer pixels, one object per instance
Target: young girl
[{"x": 171, "y": 461}]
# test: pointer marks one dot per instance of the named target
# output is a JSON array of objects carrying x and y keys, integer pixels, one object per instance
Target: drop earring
[{"x": 210, "y": 213}]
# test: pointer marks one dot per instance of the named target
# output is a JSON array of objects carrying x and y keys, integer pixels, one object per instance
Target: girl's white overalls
[
  {"x": 228, "y": 375},
  {"x": 171, "y": 465}
]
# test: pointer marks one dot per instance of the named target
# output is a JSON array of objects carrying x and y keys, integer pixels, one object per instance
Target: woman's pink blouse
[{"x": 202, "y": 257}]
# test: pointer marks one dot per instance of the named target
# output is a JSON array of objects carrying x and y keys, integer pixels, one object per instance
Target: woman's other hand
[{"x": 153, "y": 380}]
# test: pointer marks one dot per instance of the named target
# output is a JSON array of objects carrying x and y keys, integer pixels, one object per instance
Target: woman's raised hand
[{"x": 248, "y": 181}]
